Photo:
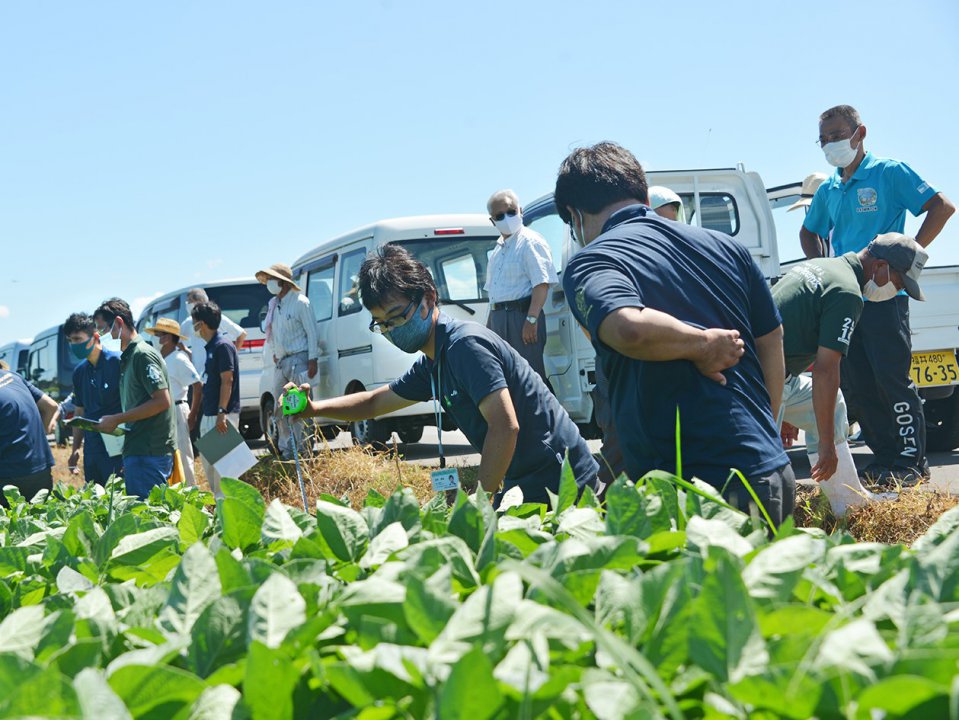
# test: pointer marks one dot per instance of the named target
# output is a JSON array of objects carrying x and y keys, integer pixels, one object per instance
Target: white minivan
[
  {"x": 244, "y": 301},
  {"x": 455, "y": 248}
]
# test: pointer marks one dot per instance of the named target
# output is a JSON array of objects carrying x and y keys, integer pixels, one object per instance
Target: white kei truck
[{"x": 456, "y": 249}]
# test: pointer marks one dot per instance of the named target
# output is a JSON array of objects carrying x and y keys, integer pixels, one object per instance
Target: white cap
[{"x": 659, "y": 196}]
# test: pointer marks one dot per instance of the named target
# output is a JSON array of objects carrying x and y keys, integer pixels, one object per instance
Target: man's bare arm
[
  {"x": 500, "y": 444},
  {"x": 356, "y": 406},
  {"x": 811, "y": 244},
  {"x": 938, "y": 210},
  {"x": 769, "y": 348},
  {"x": 647, "y": 334},
  {"x": 825, "y": 388}
]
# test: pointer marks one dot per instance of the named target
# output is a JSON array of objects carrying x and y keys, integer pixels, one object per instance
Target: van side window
[
  {"x": 720, "y": 211},
  {"x": 349, "y": 296},
  {"x": 319, "y": 289},
  {"x": 460, "y": 278},
  {"x": 555, "y": 231}
]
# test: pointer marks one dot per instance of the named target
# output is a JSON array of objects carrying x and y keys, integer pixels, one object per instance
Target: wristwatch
[
  {"x": 221, "y": 411},
  {"x": 530, "y": 319}
]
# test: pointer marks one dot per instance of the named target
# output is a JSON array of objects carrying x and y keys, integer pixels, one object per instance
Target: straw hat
[
  {"x": 166, "y": 326},
  {"x": 278, "y": 271},
  {"x": 809, "y": 187}
]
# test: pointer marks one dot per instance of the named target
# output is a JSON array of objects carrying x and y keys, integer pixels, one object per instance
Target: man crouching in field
[{"x": 496, "y": 398}]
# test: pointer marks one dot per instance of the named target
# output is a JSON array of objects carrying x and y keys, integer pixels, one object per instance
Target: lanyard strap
[{"x": 437, "y": 387}]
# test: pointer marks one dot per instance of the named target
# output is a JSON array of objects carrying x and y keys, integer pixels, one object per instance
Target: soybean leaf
[
  {"x": 390, "y": 539},
  {"x": 196, "y": 584},
  {"x": 343, "y": 529},
  {"x": 276, "y": 609},
  {"x": 240, "y": 513},
  {"x": 568, "y": 490},
  {"x": 278, "y": 525},
  {"x": 269, "y": 682},
  {"x": 97, "y": 698},
  {"x": 219, "y": 635},
  {"x": 429, "y": 603},
  {"x": 221, "y": 702},
  {"x": 160, "y": 690},
  {"x": 192, "y": 524},
  {"x": 470, "y": 692}
]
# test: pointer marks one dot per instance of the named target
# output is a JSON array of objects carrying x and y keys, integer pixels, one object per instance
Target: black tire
[
  {"x": 330, "y": 432},
  {"x": 942, "y": 423},
  {"x": 269, "y": 422},
  {"x": 411, "y": 435},
  {"x": 250, "y": 429},
  {"x": 375, "y": 433}
]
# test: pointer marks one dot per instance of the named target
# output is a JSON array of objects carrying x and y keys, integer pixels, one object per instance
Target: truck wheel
[
  {"x": 942, "y": 423},
  {"x": 268, "y": 413},
  {"x": 411, "y": 434},
  {"x": 375, "y": 433},
  {"x": 250, "y": 429}
]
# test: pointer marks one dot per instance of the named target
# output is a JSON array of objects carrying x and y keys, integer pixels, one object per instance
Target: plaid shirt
[{"x": 518, "y": 264}]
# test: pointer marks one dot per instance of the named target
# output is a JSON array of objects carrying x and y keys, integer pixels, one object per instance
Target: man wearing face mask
[
  {"x": 667, "y": 203},
  {"x": 183, "y": 376},
  {"x": 869, "y": 196},
  {"x": 518, "y": 278},
  {"x": 195, "y": 344},
  {"x": 96, "y": 392},
  {"x": 681, "y": 319},
  {"x": 145, "y": 395},
  {"x": 821, "y": 301},
  {"x": 291, "y": 338},
  {"x": 500, "y": 404}
]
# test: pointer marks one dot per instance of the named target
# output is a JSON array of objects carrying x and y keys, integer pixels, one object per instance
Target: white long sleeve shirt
[{"x": 294, "y": 327}]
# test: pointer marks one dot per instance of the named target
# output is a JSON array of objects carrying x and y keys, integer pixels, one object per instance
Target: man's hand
[
  {"x": 191, "y": 421},
  {"x": 221, "y": 423},
  {"x": 311, "y": 368},
  {"x": 108, "y": 423},
  {"x": 529, "y": 333},
  {"x": 789, "y": 434},
  {"x": 72, "y": 462},
  {"x": 721, "y": 351},
  {"x": 828, "y": 462}
]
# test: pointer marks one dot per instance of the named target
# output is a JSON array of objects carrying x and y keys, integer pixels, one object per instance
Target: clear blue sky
[{"x": 146, "y": 146}]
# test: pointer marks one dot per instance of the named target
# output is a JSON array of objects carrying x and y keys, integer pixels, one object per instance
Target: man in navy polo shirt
[
  {"x": 26, "y": 415},
  {"x": 96, "y": 392},
  {"x": 221, "y": 387},
  {"x": 866, "y": 197},
  {"x": 680, "y": 317},
  {"x": 496, "y": 398}
]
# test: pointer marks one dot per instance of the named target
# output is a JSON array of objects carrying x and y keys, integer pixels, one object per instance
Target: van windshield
[
  {"x": 244, "y": 304},
  {"x": 457, "y": 264}
]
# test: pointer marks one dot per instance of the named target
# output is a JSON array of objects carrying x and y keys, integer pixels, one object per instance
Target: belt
[
  {"x": 298, "y": 352},
  {"x": 182, "y": 402},
  {"x": 521, "y": 304}
]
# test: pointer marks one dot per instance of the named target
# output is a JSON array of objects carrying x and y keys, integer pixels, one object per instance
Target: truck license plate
[{"x": 938, "y": 367}]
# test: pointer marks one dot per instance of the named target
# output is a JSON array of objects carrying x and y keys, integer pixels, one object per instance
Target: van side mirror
[{"x": 36, "y": 374}]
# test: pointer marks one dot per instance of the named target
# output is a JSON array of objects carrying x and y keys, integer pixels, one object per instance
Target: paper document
[
  {"x": 226, "y": 452},
  {"x": 113, "y": 444},
  {"x": 91, "y": 425}
]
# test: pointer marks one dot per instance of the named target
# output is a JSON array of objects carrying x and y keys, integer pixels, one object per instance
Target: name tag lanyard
[{"x": 437, "y": 387}]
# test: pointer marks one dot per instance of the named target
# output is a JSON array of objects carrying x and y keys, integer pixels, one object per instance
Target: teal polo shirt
[{"x": 873, "y": 202}]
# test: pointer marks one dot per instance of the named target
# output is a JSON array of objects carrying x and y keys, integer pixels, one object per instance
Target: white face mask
[
  {"x": 579, "y": 238},
  {"x": 841, "y": 153},
  {"x": 509, "y": 225},
  {"x": 879, "y": 293},
  {"x": 274, "y": 286}
]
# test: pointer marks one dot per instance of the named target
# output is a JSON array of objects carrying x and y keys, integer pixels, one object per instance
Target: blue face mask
[
  {"x": 81, "y": 350},
  {"x": 413, "y": 334}
]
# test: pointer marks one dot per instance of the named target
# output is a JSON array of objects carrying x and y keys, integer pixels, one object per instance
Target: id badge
[{"x": 445, "y": 479}]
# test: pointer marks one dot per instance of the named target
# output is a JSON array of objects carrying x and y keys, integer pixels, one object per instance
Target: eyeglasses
[
  {"x": 509, "y": 213},
  {"x": 826, "y": 139},
  {"x": 384, "y": 326}
]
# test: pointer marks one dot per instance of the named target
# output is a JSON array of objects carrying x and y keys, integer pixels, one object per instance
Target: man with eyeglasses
[
  {"x": 518, "y": 278},
  {"x": 866, "y": 197},
  {"x": 500, "y": 404}
]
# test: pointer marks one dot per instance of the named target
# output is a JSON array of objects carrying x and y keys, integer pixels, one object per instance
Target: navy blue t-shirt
[
  {"x": 96, "y": 388},
  {"x": 220, "y": 357},
  {"x": 24, "y": 449},
  {"x": 705, "y": 279},
  {"x": 474, "y": 362}
]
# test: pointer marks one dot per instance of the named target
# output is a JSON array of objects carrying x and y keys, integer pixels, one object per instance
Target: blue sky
[{"x": 147, "y": 146}]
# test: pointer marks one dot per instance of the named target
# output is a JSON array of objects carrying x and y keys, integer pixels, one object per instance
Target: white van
[
  {"x": 729, "y": 200},
  {"x": 244, "y": 301},
  {"x": 15, "y": 355},
  {"x": 455, "y": 248}
]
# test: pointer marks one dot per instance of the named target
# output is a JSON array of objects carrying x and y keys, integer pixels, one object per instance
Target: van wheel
[
  {"x": 251, "y": 430},
  {"x": 411, "y": 434},
  {"x": 942, "y": 423},
  {"x": 375, "y": 433},
  {"x": 269, "y": 421}
]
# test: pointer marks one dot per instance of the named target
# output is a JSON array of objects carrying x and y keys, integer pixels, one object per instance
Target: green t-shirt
[
  {"x": 820, "y": 302},
  {"x": 142, "y": 373}
]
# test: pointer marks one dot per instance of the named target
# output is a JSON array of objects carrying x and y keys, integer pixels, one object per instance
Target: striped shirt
[
  {"x": 518, "y": 264},
  {"x": 294, "y": 327}
]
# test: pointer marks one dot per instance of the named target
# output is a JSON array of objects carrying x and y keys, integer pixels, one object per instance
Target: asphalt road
[{"x": 459, "y": 453}]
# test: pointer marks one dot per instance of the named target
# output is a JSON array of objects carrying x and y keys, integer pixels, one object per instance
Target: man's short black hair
[
  {"x": 847, "y": 112},
  {"x": 79, "y": 323},
  {"x": 594, "y": 177},
  {"x": 112, "y": 309},
  {"x": 207, "y": 313},
  {"x": 392, "y": 270}
]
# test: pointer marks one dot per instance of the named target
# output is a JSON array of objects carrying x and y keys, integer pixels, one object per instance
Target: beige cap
[{"x": 809, "y": 187}]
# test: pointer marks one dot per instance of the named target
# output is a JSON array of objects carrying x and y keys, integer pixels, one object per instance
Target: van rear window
[
  {"x": 457, "y": 264},
  {"x": 244, "y": 304}
]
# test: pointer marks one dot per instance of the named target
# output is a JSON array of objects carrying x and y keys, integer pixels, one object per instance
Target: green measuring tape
[{"x": 294, "y": 402}]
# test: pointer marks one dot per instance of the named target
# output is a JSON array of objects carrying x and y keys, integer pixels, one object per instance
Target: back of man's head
[
  {"x": 112, "y": 309},
  {"x": 593, "y": 178},
  {"x": 392, "y": 270},
  {"x": 196, "y": 295},
  {"x": 207, "y": 313},
  {"x": 847, "y": 112}
]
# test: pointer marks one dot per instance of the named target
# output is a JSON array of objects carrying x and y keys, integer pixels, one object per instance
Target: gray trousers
[
  {"x": 291, "y": 369},
  {"x": 877, "y": 387},
  {"x": 508, "y": 324}
]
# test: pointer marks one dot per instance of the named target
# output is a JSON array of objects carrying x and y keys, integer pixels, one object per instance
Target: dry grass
[{"x": 902, "y": 520}]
